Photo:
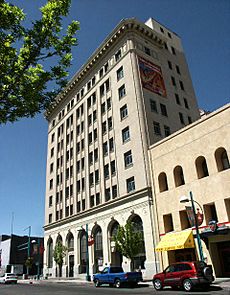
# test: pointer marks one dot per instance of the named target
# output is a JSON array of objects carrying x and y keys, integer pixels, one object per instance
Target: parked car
[
  {"x": 8, "y": 278},
  {"x": 115, "y": 276},
  {"x": 184, "y": 274}
]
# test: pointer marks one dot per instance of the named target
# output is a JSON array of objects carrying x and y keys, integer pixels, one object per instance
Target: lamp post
[
  {"x": 87, "y": 253},
  {"x": 38, "y": 243},
  {"x": 184, "y": 199}
]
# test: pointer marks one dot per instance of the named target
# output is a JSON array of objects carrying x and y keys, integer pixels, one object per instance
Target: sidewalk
[{"x": 224, "y": 283}]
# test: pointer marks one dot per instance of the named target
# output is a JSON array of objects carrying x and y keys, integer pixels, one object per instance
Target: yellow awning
[{"x": 174, "y": 241}]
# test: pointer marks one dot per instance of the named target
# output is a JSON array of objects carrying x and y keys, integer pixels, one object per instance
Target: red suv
[{"x": 184, "y": 274}]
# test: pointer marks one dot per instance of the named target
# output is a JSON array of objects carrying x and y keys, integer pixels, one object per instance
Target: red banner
[{"x": 151, "y": 77}]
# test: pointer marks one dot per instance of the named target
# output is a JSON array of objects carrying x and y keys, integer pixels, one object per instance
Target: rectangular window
[
  {"x": 168, "y": 223},
  {"x": 167, "y": 130},
  {"x": 104, "y": 128},
  {"x": 147, "y": 51},
  {"x": 108, "y": 103},
  {"x": 111, "y": 145},
  {"x": 107, "y": 194},
  {"x": 189, "y": 120},
  {"x": 96, "y": 176},
  {"x": 90, "y": 158},
  {"x": 102, "y": 90},
  {"x": 101, "y": 73},
  {"x": 52, "y": 152},
  {"x": 186, "y": 103},
  {"x": 181, "y": 118},
  {"x": 94, "y": 116},
  {"x": 181, "y": 85},
  {"x": 50, "y": 201},
  {"x": 50, "y": 218},
  {"x": 114, "y": 191},
  {"x": 210, "y": 212},
  {"x": 170, "y": 64},
  {"x": 123, "y": 112},
  {"x": 98, "y": 201},
  {"x": 106, "y": 171},
  {"x": 130, "y": 184},
  {"x": 105, "y": 148},
  {"x": 95, "y": 134},
  {"x": 110, "y": 123},
  {"x": 163, "y": 110},
  {"x": 51, "y": 167},
  {"x": 95, "y": 155},
  {"x": 103, "y": 108},
  {"x": 157, "y": 128},
  {"x": 121, "y": 91},
  {"x": 91, "y": 179},
  {"x": 120, "y": 73},
  {"x": 177, "y": 98},
  {"x": 173, "y": 81},
  {"x": 113, "y": 168},
  {"x": 173, "y": 50},
  {"x": 153, "y": 106},
  {"x": 177, "y": 69},
  {"x": 51, "y": 183},
  {"x": 125, "y": 135},
  {"x": 128, "y": 159},
  {"x": 90, "y": 120},
  {"x": 118, "y": 55},
  {"x": 106, "y": 67},
  {"x": 78, "y": 206},
  {"x": 91, "y": 201}
]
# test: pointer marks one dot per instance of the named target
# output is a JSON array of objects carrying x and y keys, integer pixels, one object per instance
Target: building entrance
[{"x": 223, "y": 249}]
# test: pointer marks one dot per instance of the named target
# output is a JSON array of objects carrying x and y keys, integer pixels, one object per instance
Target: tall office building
[{"x": 132, "y": 92}]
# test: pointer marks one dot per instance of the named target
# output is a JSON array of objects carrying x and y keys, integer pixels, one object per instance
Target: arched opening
[
  {"x": 50, "y": 253},
  {"x": 178, "y": 176},
  {"x": 201, "y": 167},
  {"x": 70, "y": 257},
  {"x": 59, "y": 266},
  {"x": 116, "y": 257},
  {"x": 222, "y": 160},
  {"x": 162, "y": 181},
  {"x": 83, "y": 252},
  {"x": 139, "y": 260},
  {"x": 98, "y": 247}
]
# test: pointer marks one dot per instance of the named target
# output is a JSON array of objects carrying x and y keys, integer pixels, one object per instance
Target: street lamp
[
  {"x": 185, "y": 199},
  {"x": 38, "y": 242}
]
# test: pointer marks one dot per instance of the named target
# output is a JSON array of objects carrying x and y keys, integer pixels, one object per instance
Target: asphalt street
[{"x": 85, "y": 289}]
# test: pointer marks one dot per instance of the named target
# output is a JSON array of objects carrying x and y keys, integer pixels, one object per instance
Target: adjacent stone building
[
  {"x": 194, "y": 160},
  {"x": 132, "y": 92}
]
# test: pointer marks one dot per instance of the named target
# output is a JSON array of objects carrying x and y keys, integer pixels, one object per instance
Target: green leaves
[
  {"x": 33, "y": 61},
  {"x": 59, "y": 253},
  {"x": 128, "y": 241}
]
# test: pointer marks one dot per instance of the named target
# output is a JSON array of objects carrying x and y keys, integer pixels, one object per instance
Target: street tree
[
  {"x": 59, "y": 254},
  {"x": 128, "y": 241},
  {"x": 34, "y": 59}
]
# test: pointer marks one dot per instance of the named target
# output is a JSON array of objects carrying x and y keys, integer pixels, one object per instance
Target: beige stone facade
[
  {"x": 133, "y": 91},
  {"x": 195, "y": 159}
]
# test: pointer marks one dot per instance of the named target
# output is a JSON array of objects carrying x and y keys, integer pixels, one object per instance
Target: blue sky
[{"x": 204, "y": 28}]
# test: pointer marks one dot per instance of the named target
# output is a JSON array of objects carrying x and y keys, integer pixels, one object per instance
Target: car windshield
[{"x": 10, "y": 275}]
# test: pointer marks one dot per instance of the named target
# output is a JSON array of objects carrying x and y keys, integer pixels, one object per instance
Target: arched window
[
  {"x": 163, "y": 183},
  {"x": 178, "y": 176},
  {"x": 222, "y": 160},
  {"x": 139, "y": 260},
  {"x": 83, "y": 252},
  {"x": 50, "y": 253},
  {"x": 98, "y": 247},
  {"x": 201, "y": 167},
  {"x": 70, "y": 241}
]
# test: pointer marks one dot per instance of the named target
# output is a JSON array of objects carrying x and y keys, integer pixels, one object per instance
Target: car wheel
[
  {"x": 96, "y": 283},
  {"x": 187, "y": 285},
  {"x": 117, "y": 283},
  {"x": 157, "y": 284}
]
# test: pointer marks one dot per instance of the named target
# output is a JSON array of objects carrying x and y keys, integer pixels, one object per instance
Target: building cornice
[
  {"x": 102, "y": 208},
  {"x": 124, "y": 26}
]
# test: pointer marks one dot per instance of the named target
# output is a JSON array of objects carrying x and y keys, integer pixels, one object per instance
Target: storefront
[
  {"x": 217, "y": 240},
  {"x": 179, "y": 245}
]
